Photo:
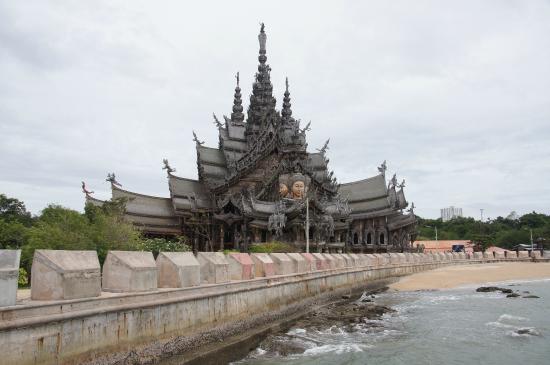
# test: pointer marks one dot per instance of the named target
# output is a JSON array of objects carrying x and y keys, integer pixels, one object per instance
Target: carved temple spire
[
  {"x": 286, "y": 112},
  {"x": 261, "y": 100},
  {"x": 237, "y": 114}
]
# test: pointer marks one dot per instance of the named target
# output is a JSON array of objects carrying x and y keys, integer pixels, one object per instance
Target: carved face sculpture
[
  {"x": 298, "y": 189},
  {"x": 283, "y": 190}
]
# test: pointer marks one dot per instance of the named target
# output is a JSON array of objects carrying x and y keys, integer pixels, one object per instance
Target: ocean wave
[
  {"x": 511, "y": 318},
  {"x": 335, "y": 348}
]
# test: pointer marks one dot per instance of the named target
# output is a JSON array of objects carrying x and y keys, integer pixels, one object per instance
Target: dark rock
[
  {"x": 346, "y": 296},
  {"x": 531, "y": 296},
  {"x": 512, "y": 295},
  {"x": 528, "y": 331},
  {"x": 488, "y": 289}
]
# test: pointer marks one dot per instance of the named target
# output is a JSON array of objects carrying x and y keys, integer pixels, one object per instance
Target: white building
[{"x": 450, "y": 213}]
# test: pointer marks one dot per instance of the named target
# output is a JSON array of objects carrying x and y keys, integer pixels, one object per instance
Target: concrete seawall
[{"x": 168, "y": 321}]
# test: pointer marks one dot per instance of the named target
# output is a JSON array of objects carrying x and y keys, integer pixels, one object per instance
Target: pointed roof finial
[
  {"x": 237, "y": 114},
  {"x": 286, "y": 112}
]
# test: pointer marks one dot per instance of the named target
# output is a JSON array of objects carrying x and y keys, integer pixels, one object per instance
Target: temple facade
[{"x": 261, "y": 184}]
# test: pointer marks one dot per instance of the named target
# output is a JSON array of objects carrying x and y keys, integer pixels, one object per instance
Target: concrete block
[
  {"x": 511, "y": 255},
  {"x": 9, "y": 276},
  {"x": 523, "y": 254},
  {"x": 488, "y": 256},
  {"x": 357, "y": 260},
  {"x": 299, "y": 263},
  {"x": 321, "y": 261},
  {"x": 535, "y": 254},
  {"x": 449, "y": 256},
  {"x": 398, "y": 258},
  {"x": 331, "y": 260},
  {"x": 462, "y": 256},
  {"x": 546, "y": 254},
  {"x": 214, "y": 267},
  {"x": 311, "y": 261},
  {"x": 478, "y": 255},
  {"x": 129, "y": 271},
  {"x": 456, "y": 256},
  {"x": 340, "y": 261},
  {"x": 263, "y": 265},
  {"x": 60, "y": 274},
  {"x": 372, "y": 260},
  {"x": 283, "y": 264},
  {"x": 241, "y": 266},
  {"x": 383, "y": 259},
  {"x": 178, "y": 270},
  {"x": 500, "y": 255}
]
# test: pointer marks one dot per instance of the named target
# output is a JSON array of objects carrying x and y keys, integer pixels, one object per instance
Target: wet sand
[{"x": 455, "y": 276}]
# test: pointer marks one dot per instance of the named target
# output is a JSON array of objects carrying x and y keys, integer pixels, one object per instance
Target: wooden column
[{"x": 222, "y": 236}]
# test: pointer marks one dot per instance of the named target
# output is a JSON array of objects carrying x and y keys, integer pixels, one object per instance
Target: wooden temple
[{"x": 260, "y": 184}]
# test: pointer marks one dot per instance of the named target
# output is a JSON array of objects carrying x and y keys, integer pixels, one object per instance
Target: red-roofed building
[{"x": 443, "y": 245}]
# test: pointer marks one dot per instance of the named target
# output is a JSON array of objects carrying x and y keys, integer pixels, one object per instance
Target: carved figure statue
[
  {"x": 393, "y": 181},
  {"x": 382, "y": 168},
  {"x": 86, "y": 191},
  {"x": 307, "y": 128},
  {"x": 402, "y": 185},
  {"x": 298, "y": 189},
  {"x": 411, "y": 209},
  {"x": 325, "y": 147},
  {"x": 217, "y": 121},
  {"x": 283, "y": 190},
  {"x": 196, "y": 139},
  {"x": 112, "y": 179},
  {"x": 167, "y": 166}
]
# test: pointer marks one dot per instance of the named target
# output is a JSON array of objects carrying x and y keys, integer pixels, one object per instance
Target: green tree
[{"x": 13, "y": 210}]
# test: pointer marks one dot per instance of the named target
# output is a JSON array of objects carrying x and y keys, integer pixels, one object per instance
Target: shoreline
[{"x": 465, "y": 275}]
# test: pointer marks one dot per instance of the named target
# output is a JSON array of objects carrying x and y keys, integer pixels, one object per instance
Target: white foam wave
[
  {"x": 338, "y": 349},
  {"x": 499, "y": 325},
  {"x": 296, "y": 331},
  {"x": 508, "y": 318}
]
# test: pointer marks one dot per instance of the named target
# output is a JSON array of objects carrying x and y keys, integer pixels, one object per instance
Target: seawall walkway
[{"x": 178, "y": 302}]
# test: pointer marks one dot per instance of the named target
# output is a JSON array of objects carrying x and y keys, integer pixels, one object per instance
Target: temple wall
[{"x": 75, "y": 331}]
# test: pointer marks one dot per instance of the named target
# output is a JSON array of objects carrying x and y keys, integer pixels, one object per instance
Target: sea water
[{"x": 454, "y": 326}]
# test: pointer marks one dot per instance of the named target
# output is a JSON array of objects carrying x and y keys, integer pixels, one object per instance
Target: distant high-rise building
[{"x": 449, "y": 213}]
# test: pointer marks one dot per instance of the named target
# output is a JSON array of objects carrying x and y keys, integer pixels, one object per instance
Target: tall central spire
[{"x": 261, "y": 100}]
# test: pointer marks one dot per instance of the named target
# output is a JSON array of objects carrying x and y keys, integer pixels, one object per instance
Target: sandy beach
[{"x": 455, "y": 276}]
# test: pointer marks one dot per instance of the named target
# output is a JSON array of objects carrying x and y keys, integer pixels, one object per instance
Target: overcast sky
[{"x": 455, "y": 95}]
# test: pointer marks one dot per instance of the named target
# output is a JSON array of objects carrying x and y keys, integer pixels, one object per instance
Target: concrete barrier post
[
  {"x": 241, "y": 266},
  {"x": 535, "y": 254},
  {"x": 321, "y": 261},
  {"x": 61, "y": 274},
  {"x": 177, "y": 270},
  {"x": 357, "y": 261},
  {"x": 500, "y": 255},
  {"x": 283, "y": 263},
  {"x": 311, "y": 261},
  {"x": 349, "y": 261},
  {"x": 9, "y": 276},
  {"x": 263, "y": 265},
  {"x": 214, "y": 267},
  {"x": 331, "y": 260},
  {"x": 340, "y": 261},
  {"x": 299, "y": 263},
  {"x": 129, "y": 271}
]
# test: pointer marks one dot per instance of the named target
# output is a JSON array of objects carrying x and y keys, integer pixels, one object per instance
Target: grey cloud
[{"x": 455, "y": 95}]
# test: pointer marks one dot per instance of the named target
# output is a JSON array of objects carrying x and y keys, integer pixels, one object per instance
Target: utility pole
[
  {"x": 307, "y": 219},
  {"x": 481, "y": 211},
  {"x": 531, "y": 232}
]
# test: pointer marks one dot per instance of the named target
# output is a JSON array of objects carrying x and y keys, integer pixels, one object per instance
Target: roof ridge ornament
[
  {"x": 167, "y": 167},
  {"x": 237, "y": 114},
  {"x": 87, "y": 192},
  {"x": 325, "y": 147},
  {"x": 217, "y": 121},
  {"x": 411, "y": 209},
  {"x": 382, "y": 168},
  {"x": 402, "y": 185},
  {"x": 196, "y": 139},
  {"x": 287, "y": 111},
  {"x": 112, "y": 179}
]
